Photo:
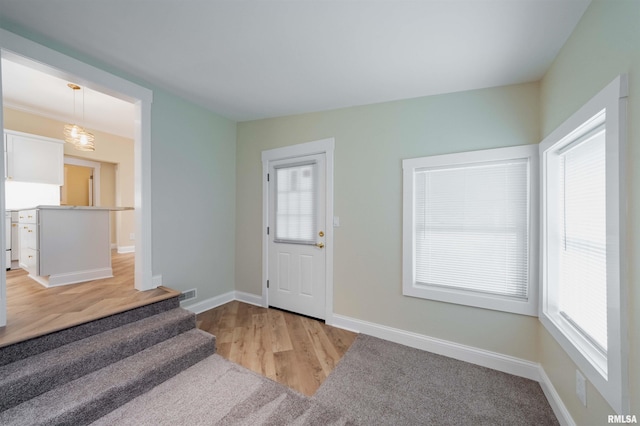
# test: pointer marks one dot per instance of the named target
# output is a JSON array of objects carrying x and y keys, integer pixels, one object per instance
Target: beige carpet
[{"x": 384, "y": 383}]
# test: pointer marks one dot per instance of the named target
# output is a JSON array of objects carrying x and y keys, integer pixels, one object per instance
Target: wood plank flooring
[
  {"x": 293, "y": 350},
  {"x": 34, "y": 310}
]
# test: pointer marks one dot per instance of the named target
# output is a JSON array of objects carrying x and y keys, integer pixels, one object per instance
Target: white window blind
[
  {"x": 583, "y": 254},
  {"x": 295, "y": 203},
  {"x": 471, "y": 227}
]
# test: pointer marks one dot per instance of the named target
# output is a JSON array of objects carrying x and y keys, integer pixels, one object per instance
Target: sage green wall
[
  {"x": 193, "y": 196},
  {"x": 371, "y": 142},
  {"x": 605, "y": 43},
  {"x": 192, "y": 186}
]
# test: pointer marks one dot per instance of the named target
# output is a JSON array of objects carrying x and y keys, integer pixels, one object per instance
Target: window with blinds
[
  {"x": 583, "y": 236},
  {"x": 584, "y": 289},
  {"x": 468, "y": 228},
  {"x": 295, "y": 203}
]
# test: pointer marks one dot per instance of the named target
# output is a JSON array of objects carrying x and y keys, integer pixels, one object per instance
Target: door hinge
[
  {"x": 267, "y": 177},
  {"x": 267, "y": 283},
  {"x": 267, "y": 230}
]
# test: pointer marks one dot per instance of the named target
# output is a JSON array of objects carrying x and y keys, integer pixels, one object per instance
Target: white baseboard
[
  {"x": 507, "y": 364},
  {"x": 249, "y": 298},
  {"x": 126, "y": 249},
  {"x": 214, "y": 302},
  {"x": 56, "y": 280},
  {"x": 558, "y": 407},
  {"x": 211, "y": 303}
]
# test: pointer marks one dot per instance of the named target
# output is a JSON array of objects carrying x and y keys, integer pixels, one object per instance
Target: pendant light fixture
[{"x": 75, "y": 134}]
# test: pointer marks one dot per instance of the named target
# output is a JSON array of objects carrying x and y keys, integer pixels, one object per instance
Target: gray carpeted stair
[{"x": 82, "y": 380}]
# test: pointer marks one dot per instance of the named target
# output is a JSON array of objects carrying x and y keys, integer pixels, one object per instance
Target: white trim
[
  {"x": 96, "y": 174},
  {"x": 252, "y": 299},
  {"x": 324, "y": 146},
  {"x": 73, "y": 277},
  {"x": 126, "y": 249},
  {"x": 19, "y": 49},
  {"x": 556, "y": 403},
  {"x": 528, "y": 306},
  {"x": 496, "y": 361},
  {"x": 505, "y": 363},
  {"x": 614, "y": 388},
  {"x": 211, "y": 303}
]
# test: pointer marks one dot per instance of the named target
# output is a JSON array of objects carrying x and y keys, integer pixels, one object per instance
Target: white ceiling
[
  {"x": 27, "y": 89},
  {"x": 263, "y": 58}
]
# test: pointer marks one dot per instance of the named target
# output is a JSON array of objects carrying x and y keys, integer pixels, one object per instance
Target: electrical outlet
[
  {"x": 581, "y": 388},
  {"x": 132, "y": 236}
]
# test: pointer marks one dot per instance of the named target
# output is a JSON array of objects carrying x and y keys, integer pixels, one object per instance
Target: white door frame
[
  {"x": 324, "y": 146},
  {"x": 18, "y": 49}
]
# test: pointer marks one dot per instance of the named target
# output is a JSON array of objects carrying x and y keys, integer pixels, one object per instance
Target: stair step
[
  {"x": 35, "y": 375},
  {"x": 54, "y": 340},
  {"x": 90, "y": 397}
]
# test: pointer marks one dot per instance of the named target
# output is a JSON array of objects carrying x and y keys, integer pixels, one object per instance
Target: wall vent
[{"x": 187, "y": 295}]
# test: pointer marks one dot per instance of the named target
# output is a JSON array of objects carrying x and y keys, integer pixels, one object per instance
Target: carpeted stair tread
[
  {"x": 30, "y": 377},
  {"x": 54, "y": 340},
  {"x": 217, "y": 391},
  {"x": 91, "y": 396}
]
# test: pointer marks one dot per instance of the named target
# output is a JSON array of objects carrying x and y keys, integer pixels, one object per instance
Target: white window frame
[
  {"x": 461, "y": 296},
  {"x": 610, "y": 378}
]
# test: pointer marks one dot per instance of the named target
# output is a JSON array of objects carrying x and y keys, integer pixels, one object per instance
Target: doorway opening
[{"x": 19, "y": 50}]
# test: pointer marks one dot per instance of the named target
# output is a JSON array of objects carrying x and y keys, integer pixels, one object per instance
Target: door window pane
[{"x": 295, "y": 204}]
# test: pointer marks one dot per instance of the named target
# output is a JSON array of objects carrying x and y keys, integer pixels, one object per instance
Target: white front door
[{"x": 296, "y": 234}]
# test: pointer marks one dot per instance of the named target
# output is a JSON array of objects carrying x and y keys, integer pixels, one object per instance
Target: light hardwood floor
[
  {"x": 34, "y": 310},
  {"x": 293, "y": 350}
]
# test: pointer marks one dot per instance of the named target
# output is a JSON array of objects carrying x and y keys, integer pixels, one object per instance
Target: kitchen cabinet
[
  {"x": 64, "y": 244},
  {"x": 28, "y": 231},
  {"x": 35, "y": 159},
  {"x": 15, "y": 237}
]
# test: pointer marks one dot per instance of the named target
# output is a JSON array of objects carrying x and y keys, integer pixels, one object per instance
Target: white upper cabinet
[{"x": 35, "y": 159}]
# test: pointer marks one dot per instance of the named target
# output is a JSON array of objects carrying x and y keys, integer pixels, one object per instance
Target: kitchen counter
[{"x": 62, "y": 245}]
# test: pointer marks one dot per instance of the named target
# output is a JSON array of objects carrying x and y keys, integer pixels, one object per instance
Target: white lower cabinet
[
  {"x": 28, "y": 230},
  {"x": 61, "y": 246},
  {"x": 15, "y": 237}
]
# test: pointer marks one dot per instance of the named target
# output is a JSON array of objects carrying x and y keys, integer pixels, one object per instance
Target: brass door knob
[{"x": 320, "y": 245}]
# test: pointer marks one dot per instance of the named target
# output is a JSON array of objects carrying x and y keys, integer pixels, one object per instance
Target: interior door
[{"x": 297, "y": 225}]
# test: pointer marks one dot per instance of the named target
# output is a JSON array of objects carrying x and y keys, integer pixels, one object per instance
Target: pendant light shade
[
  {"x": 85, "y": 141},
  {"x": 75, "y": 134}
]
